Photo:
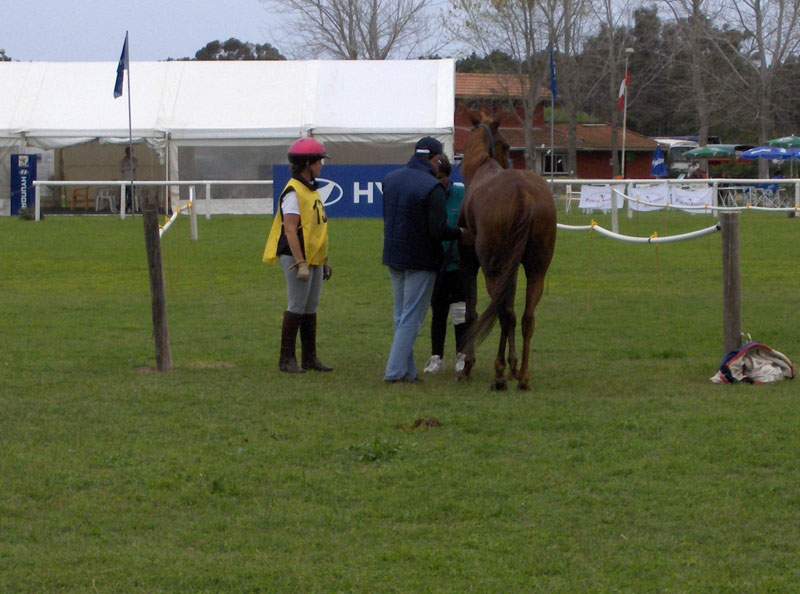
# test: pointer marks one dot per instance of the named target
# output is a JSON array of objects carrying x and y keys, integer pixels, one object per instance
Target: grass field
[{"x": 622, "y": 470}]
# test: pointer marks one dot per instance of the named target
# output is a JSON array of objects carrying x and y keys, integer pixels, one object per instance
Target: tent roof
[{"x": 57, "y": 103}]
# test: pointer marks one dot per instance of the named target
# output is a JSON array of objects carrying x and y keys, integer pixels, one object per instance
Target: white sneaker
[
  {"x": 434, "y": 365},
  {"x": 460, "y": 360}
]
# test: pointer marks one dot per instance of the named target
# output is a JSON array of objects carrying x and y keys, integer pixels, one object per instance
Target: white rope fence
[
  {"x": 187, "y": 206},
  {"x": 654, "y": 238}
]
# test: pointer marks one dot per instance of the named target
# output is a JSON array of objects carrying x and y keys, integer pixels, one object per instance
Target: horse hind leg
[
  {"x": 499, "y": 382},
  {"x": 533, "y": 293},
  {"x": 508, "y": 324},
  {"x": 513, "y": 370}
]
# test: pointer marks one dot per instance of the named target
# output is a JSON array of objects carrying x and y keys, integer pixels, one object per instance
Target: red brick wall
[
  {"x": 597, "y": 165},
  {"x": 594, "y": 165}
]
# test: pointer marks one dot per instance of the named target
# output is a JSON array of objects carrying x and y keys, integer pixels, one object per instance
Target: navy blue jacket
[{"x": 415, "y": 217}]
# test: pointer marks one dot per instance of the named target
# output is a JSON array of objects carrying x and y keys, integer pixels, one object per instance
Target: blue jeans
[{"x": 412, "y": 290}]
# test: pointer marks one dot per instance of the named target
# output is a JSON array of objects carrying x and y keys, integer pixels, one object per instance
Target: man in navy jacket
[{"x": 414, "y": 226}]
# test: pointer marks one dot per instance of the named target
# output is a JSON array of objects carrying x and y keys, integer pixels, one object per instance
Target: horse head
[{"x": 484, "y": 144}]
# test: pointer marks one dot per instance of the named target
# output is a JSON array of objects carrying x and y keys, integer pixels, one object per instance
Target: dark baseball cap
[{"x": 428, "y": 146}]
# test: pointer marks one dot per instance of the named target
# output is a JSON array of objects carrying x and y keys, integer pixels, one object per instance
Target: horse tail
[{"x": 506, "y": 280}]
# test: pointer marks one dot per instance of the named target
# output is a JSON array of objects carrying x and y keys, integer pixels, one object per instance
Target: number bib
[{"x": 313, "y": 222}]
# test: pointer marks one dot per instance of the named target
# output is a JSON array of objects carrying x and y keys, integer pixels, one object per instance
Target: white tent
[{"x": 217, "y": 120}]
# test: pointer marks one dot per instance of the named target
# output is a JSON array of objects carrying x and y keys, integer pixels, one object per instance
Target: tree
[
  {"x": 772, "y": 38},
  {"x": 233, "y": 49},
  {"x": 649, "y": 68},
  {"x": 572, "y": 82},
  {"x": 358, "y": 29},
  {"x": 523, "y": 29},
  {"x": 494, "y": 62},
  {"x": 604, "y": 56}
]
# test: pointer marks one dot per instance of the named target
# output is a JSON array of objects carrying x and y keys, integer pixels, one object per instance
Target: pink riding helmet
[{"x": 307, "y": 147}]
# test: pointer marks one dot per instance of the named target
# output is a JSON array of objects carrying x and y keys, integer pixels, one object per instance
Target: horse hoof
[
  {"x": 523, "y": 386},
  {"x": 499, "y": 385}
]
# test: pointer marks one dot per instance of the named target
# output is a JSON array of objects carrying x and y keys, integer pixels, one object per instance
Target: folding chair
[{"x": 106, "y": 196}]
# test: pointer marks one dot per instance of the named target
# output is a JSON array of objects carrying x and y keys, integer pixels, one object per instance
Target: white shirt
[{"x": 289, "y": 203}]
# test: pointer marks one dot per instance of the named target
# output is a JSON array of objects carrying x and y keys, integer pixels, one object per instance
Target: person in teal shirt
[{"x": 448, "y": 292}]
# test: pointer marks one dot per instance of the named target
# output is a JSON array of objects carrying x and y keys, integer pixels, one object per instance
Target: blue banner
[
  {"x": 348, "y": 191},
  {"x": 23, "y": 174}
]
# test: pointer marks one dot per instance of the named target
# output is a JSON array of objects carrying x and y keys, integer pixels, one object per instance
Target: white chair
[{"x": 106, "y": 196}]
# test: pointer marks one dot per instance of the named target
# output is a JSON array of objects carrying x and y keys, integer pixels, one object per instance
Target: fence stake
[
  {"x": 715, "y": 198},
  {"x": 614, "y": 215},
  {"x": 193, "y": 212},
  {"x": 37, "y": 205},
  {"x": 158, "y": 297},
  {"x": 796, "y": 195},
  {"x": 731, "y": 283}
]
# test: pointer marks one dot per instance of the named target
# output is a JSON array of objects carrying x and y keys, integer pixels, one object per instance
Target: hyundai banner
[
  {"x": 23, "y": 174},
  {"x": 346, "y": 190}
]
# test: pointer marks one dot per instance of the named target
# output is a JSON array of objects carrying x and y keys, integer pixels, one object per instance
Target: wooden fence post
[
  {"x": 158, "y": 297},
  {"x": 731, "y": 283}
]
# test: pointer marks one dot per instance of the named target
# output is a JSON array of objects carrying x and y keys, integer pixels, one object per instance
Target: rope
[
  {"x": 174, "y": 216},
  {"x": 654, "y": 238}
]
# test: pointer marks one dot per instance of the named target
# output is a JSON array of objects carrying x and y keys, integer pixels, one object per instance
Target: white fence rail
[
  {"x": 727, "y": 194},
  {"x": 192, "y": 184}
]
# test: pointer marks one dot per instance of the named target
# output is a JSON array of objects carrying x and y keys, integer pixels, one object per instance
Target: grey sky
[{"x": 93, "y": 30}]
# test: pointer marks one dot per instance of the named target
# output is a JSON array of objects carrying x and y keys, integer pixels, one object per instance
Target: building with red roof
[{"x": 593, "y": 142}]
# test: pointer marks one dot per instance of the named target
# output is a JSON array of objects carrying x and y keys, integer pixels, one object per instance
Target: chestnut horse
[{"x": 511, "y": 215}]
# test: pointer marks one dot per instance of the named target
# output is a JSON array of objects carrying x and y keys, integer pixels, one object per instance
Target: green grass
[{"x": 623, "y": 470}]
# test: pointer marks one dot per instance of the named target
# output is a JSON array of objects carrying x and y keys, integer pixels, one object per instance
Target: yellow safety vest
[{"x": 313, "y": 223}]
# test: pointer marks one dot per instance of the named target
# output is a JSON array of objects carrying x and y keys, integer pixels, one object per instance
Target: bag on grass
[{"x": 754, "y": 363}]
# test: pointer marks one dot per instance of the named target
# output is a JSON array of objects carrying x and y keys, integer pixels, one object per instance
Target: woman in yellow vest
[{"x": 298, "y": 241}]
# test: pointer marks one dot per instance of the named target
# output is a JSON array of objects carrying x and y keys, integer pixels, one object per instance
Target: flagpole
[
  {"x": 130, "y": 125},
  {"x": 628, "y": 52},
  {"x": 552, "y": 151},
  {"x": 553, "y": 94}
]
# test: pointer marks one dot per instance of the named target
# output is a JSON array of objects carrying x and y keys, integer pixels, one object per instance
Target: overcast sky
[{"x": 93, "y": 30}]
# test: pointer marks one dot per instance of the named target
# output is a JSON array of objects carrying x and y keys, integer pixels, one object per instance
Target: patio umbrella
[
  {"x": 774, "y": 153},
  {"x": 789, "y": 142},
  {"x": 711, "y": 151},
  {"x": 658, "y": 168},
  {"x": 785, "y": 142}
]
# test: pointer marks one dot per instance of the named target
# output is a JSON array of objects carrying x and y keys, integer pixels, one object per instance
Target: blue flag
[
  {"x": 553, "y": 88},
  {"x": 121, "y": 68},
  {"x": 658, "y": 168}
]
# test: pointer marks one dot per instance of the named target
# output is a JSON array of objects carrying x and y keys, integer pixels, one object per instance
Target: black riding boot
[
  {"x": 288, "y": 360},
  {"x": 308, "y": 341}
]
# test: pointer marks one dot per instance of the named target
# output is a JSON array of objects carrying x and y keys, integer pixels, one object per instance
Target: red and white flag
[{"x": 623, "y": 88}]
